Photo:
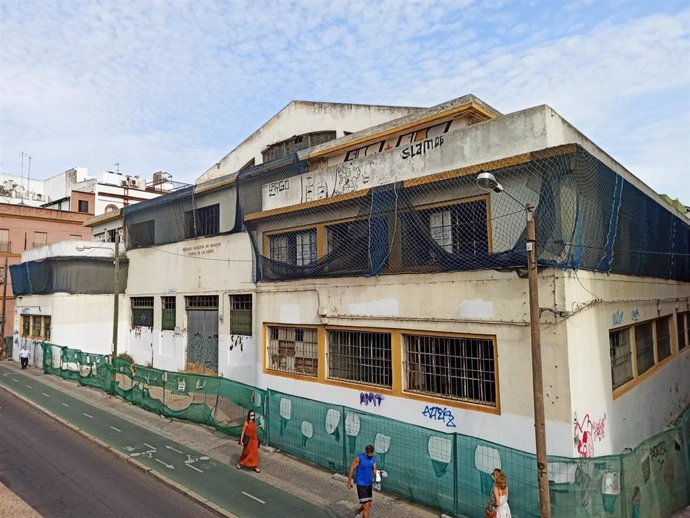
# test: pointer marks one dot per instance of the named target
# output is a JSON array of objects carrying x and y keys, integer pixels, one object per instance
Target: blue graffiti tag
[
  {"x": 440, "y": 414},
  {"x": 370, "y": 397},
  {"x": 617, "y": 318},
  {"x": 635, "y": 315}
]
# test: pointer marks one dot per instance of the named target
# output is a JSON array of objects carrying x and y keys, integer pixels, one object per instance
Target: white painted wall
[{"x": 301, "y": 117}]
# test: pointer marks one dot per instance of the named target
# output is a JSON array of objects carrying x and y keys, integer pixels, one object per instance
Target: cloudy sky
[{"x": 174, "y": 85}]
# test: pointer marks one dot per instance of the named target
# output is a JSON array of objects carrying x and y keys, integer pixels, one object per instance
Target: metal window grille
[
  {"x": 663, "y": 338},
  {"x": 682, "y": 324},
  {"x": 644, "y": 347},
  {"x": 305, "y": 243},
  {"x": 293, "y": 350},
  {"x": 36, "y": 325},
  {"x": 5, "y": 245},
  {"x": 204, "y": 221},
  {"x": 621, "y": 357},
  {"x": 295, "y": 248},
  {"x": 202, "y": 302},
  {"x": 360, "y": 356},
  {"x": 142, "y": 311},
  {"x": 168, "y": 311},
  {"x": 26, "y": 325},
  {"x": 75, "y": 237},
  {"x": 450, "y": 367},
  {"x": 46, "y": 328},
  {"x": 241, "y": 315}
]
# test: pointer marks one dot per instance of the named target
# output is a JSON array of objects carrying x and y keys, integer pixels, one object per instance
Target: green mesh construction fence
[{"x": 449, "y": 472}]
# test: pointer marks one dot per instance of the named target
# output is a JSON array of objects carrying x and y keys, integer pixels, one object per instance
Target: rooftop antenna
[
  {"x": 117, "y": 167},
  {"x": 21, "y": 154},
  {"x": 28, "y": 181}
]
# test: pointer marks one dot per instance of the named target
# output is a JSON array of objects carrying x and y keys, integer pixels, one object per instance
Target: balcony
[{"x": 5, "y": 246}]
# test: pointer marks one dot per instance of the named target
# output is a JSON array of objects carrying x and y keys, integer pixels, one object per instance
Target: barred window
[
  {"x": 142, "y": 311},
  {"x": 683, "y": 324},
  {"x": 241, "y": 315},
  {"x": 202, "y": 302},
  {"x": 456, "y": 229},
  {"x": 46, "y": 328},
  {"x": 449, "y": 367},
  {"x": 621, "y": 357},
  {"x": 40, "y": 239},
  {"x": 168, "y": 317},
  {"x": 204, "y": 221},
  {"x": 295, "y": 248},
  {"x": 360, "y": 356},
  {"x": 663, "y": 338},
  {"x": 293, "y": 350},
  {"x": 36, "y": 321},
  {"x": 644, "y": 345},
  {"x": 26, "y": 325}
]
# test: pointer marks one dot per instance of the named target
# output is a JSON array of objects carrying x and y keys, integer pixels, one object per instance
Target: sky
[{"x": 175, "y": 85}]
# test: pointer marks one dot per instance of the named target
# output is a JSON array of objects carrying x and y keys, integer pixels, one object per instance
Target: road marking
[
  {"x": 253, "y": 497},
  {"x": 190, "y": 466},
  {"x": 169, "y": 466},
  {"x": 116, "y": 429},
  {"x": 152, "y": 447},
  {"x": 87, "y": 415},
  {"x": 174, "y": 449},
  {"x": 65, "y": 404},
  {"x": 28, "y": 386},
  {"x": 46, "y": 395},
  {"x": 14, "y": 379}
]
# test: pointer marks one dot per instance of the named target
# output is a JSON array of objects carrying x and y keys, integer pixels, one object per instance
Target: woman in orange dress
[{"x": 250, "y": 441}]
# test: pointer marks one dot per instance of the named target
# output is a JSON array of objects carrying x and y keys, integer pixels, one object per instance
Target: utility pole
[
  {"x": 537, "y": 377},
  {"x": 116, "y": 292},
  {"x": 4, "y": 302}
]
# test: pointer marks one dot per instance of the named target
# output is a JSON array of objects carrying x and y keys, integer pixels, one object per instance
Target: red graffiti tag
[{"x": 587, "y": 432}]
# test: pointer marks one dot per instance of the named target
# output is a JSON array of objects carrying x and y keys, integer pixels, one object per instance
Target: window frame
[
  {"x": 291, "y": 245},
  {"x": 488, "y": 385},
  {"x": 380, "y": 358},
  {"x": 237, "y": 313},
  {"x": 168, "y": 313},
  {"x": 278, "y": 356},
  {"x": 83, "y": 206},
  {"x": 203, "y": 221},
  {"x": 142, "y": 306}
]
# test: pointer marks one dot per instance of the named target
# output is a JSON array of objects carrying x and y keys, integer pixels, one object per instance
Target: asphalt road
[
  {"x": 240, "y": 493},
  {"x": 60, "y": 473}
]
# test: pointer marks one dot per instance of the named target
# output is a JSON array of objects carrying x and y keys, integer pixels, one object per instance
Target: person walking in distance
[
  {"x": 249, "y": 439},
  {"x": 362, "y": 470},
  {"x": 24, "y": 357},
  {"x": 499, "y": 494}
]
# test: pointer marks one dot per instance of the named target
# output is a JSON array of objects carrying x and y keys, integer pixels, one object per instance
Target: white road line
[
  {"x": 152, "y": 447},
  {"x": 28, "y": 386},
  {"x": 46, "y": 395},
  {"x": 87, "y": 415},
  {"x": 14, "y": 379},
  {"x": 253, "y": 497},
  {"x": 169, "y": 466},
  {"x": 190, "y": 466},
  {"x": 116, "y": 429},
  {"x": 174, "y": 449},
  {"x": 65, "y": 404}
]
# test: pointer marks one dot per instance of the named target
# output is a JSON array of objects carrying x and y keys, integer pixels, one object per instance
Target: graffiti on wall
[
  {"x": 635, "y": 315},
  {"x": 587, "y": 432},
  {"x": 617, "y": 318},
  {"x": 237, "y": 342},
  {"x": 437, "y": 413},
  {"x": 367, "y": 398}
]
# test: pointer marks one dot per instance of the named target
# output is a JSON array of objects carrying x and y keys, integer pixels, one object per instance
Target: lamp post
[
  {"x": 488, "y": 181},
  {"x": 116, "y": 287}
]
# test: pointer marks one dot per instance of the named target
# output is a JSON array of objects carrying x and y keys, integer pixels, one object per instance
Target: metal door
[{"x": 202, "y": 339}]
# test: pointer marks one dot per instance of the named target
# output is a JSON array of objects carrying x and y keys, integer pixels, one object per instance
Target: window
[
  {"x": 206, "y": 222},
  {"x": 360, "y": 356},
  {"x": 35, "y": 326},
  {"x": 142, "y": 234},
  {"x": 83, "y": 206},
  {"x": 663, "y": 338},
  {"x": 296, "y": 143},
  {"x": 5, "y": 240},
  {"x": 112, "y": 235},
  {"x": 241, "y": 315},
  {"x": 295, "y": 248},
  {"x": 644, "y": 345},
  {"x": 142, "y": 311},
  {"x": 40, "y": 239},
  {"x": 683, "y": 324},
  {"x": 621, "y": 357},
  {"x": 110, "y": 208},
  {"x": 75, "y": 237},
  {"x": 202, "y": 302},
  {"x": 293, "y": 350},
  {"x": 168, "y": 313},
  {"x": 352, "y": 235},
  {"x": 456, "y": 368},
  {"x": 456, "y": 229}
]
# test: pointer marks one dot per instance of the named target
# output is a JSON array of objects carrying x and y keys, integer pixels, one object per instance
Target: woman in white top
[{"x": 500, "y": 494}]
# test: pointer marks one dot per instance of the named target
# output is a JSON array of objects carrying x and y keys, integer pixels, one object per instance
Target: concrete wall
[{"x": 298, "y": 118}]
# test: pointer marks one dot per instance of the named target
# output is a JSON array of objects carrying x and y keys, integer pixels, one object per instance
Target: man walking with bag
[{"x": 363, "y": 469}]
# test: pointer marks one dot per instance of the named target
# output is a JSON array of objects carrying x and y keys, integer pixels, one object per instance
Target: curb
[{"x": 126, "y": 458}]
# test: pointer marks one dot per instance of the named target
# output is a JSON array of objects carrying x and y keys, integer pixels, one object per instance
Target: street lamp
[
  {"x": 116, "y": 287},
  {"x": 488, "y": 181}
]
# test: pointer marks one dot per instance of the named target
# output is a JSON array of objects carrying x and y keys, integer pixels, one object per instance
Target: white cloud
[{"x": 174, "y": 86}]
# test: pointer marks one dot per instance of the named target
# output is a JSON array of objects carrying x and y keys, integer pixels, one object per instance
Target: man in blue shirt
[{"x": 362, "y": 470}]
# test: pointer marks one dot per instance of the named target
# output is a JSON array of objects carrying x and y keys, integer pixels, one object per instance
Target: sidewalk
[{"x": 279, "y": 470}]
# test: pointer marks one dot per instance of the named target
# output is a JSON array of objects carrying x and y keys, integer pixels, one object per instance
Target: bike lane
[{"x": 237, "y": 492}]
